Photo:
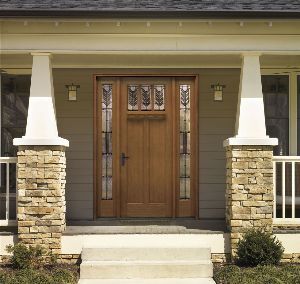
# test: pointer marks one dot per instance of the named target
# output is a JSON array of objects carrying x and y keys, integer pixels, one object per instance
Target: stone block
[
  {"x": 236, "y": 223},
  {"x": 254, "y": 203},
  {"x": 240, "y": 210},
  {"x": 239, "y": 196}
]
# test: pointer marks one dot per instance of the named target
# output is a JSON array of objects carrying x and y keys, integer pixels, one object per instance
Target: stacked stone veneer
[
  {"x": 249, "y": 193},
  {"x": 41, "y": 196}
]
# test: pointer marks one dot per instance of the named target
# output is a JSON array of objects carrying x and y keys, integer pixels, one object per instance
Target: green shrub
[
  {"x": 63, "y": 276},
  {"x": 259, "y": 248},
  {"x": 231, "y": 274},
  {"x": 25, "y": 257},
  {"x": 38, "y": 276}
]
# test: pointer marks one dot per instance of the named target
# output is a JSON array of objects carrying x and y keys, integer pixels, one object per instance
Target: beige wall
[{"x": 75, "y": 122}]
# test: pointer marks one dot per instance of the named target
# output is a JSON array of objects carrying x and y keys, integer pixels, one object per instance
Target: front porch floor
[{"x": 146, "y": 226}]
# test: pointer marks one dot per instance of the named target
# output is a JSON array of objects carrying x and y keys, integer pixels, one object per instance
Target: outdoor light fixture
[
  {"x": 72, "y": 92},
  {"x": 218, "y": 92}
]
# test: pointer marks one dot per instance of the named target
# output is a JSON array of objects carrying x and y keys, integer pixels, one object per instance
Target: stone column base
[
  {"x": 249, "y": 193},
  {"x": 41, "y": 196}
]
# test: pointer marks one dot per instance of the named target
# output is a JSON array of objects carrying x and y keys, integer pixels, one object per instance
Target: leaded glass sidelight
[
  {"x": 146, "y": 97},
  {"x": 106, "y": 103},
  {"x": 133, "y": 97},
  {"x": 159, "y": 97},
  {"x": 185, "y": 141}
]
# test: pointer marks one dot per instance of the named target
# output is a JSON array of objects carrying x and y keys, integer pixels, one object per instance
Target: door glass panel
[
  {"x": 133, "y": 97},
  {"x": 159, "y": 97},
  {"x": 276, "y": 101},
  {"x": 106, "y": 103},
  {"x": 185, "y": 142},
  {"x": 146, "y": 97}
]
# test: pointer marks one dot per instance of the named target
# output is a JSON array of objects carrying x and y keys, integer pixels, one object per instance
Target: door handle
[{"x": 123, "y": 159}]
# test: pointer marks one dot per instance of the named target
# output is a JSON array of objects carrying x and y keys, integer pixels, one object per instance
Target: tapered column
[
  {"x": 41, "y": 165},
  {"x": 250, "y": 126},
  {"x": 41, "y": 126},
  {"x": 249, "y": 191}
]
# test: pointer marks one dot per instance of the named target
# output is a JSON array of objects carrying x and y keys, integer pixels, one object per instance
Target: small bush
[
  {"x": 259, "y": 248},
  {"x": 25, "y": 257},
  {"x": 231, "y": 274},
  {"x": 63, "y": 276},
  {"x": 39, "y": 276}
]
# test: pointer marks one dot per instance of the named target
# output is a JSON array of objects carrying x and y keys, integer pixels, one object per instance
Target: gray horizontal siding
[
  {"x": 75, "y": 123},
  {"x": 216, "y": 123}
]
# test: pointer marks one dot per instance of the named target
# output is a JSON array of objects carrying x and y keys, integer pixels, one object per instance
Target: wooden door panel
[
  {"x": 159, "y": 184},
  {"x": 146, "y": 177},
  {"x": 135, "y": 164}
]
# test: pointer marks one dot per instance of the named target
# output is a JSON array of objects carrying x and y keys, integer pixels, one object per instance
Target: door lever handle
[{"x": 123, "y": 159}]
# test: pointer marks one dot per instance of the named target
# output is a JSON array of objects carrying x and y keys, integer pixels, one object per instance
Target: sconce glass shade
[
  {"x": 218, "y": 92},
  {"x": 72, "y": 92}
]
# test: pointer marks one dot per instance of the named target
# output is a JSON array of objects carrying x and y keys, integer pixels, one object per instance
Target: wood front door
[{"x": 146, "y": 146}]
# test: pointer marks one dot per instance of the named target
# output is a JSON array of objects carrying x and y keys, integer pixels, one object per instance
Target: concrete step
[
  {"x": 146, "y": 269},
  {"x": 145, "y": 253},
  {"x": 149, "y": 281}
]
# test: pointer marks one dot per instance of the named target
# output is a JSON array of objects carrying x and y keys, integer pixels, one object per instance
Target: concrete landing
[
  {"x": 149, "y": 281},
  {"x": 145, "y": 226}
]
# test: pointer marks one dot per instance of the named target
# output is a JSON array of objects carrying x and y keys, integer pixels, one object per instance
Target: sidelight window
[
  {"x": 185, "y": 141},
  {"x": 106, "y": 103}
]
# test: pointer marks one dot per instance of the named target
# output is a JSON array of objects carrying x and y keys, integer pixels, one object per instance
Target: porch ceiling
[{"x": 144, "y": 60}]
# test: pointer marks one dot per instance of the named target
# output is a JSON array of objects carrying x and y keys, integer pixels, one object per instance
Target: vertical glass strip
[
  {"x": 185, "y": 141},
  {"x": 146, "y": 97},
  {"x": 133, "y": 97},
  {"x": 159, "y": 97},
  {"x": 106, "y": 103}
]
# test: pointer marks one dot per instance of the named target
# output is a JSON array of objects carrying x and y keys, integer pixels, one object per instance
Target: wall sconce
[
  {"x": 218, "y": 92},
  {"x": 72, "y": 92}
]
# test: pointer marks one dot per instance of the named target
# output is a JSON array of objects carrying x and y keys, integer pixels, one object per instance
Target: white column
[
  {"x": 250, "y": 128},
  {"x": 41, "y": 126}
]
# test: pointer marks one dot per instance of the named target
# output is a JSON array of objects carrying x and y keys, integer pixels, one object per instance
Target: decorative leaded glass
[
  {"x": 106, "y": 141},
  {"x": 159, "y": 97},
  {"x": 185, "y": 142},
  {"x": 133, "y": 97},
  {"x": 146, "y": 97}
]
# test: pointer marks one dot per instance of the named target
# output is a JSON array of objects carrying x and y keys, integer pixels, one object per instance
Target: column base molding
[
  {"x": 236, "y": 141},
  {"x": 25, "y": 141}
]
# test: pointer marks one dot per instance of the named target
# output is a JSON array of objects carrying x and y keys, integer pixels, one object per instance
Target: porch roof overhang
[
  {"x": 152, "y": 9},
  {"x": 150, "y": 14}
]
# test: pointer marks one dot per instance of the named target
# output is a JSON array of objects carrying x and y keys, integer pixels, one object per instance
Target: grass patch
[
  {"x": 232, "y": 274},
  {"x": 63, "y": 274}
]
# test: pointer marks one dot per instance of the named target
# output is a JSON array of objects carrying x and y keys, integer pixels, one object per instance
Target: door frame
[{"x": 194, "y": 137}]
